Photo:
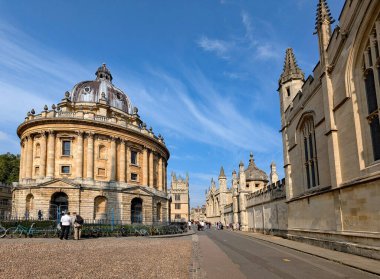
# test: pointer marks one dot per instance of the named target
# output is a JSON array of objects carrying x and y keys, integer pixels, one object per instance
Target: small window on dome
[
  {"x": 118, "y": 96},
  {"x": 87, "y": 89}
]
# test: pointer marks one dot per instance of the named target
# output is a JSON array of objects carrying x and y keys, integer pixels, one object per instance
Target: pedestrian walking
[
  {"x": 39, "y": 215},
  {"x": 65, "y": 225},
  {"x": 77, "y": 222},
  {"x": 189, "y": 224}
]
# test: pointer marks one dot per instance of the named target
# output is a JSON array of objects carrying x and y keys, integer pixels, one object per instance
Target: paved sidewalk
[
  {"x": 369, "y": 265},
  {"x": 214, "y": 263}
]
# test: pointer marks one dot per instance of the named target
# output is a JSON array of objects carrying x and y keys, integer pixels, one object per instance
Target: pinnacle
[
  {"x": 221, "y": 174},
  {"x": 323, "y": 14},
  {"x": 291, "y": 69}
]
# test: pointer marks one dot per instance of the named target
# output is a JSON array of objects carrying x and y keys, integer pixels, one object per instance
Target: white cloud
[
  {"x": 253, "y": 45},
  {"x": 219, "y": 47}
]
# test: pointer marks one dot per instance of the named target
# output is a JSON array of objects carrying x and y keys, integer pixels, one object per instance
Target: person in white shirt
[{"x": 65, "y": 225}]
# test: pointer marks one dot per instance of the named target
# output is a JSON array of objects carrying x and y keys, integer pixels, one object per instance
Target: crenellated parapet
[{"x": 269, "y": 193}]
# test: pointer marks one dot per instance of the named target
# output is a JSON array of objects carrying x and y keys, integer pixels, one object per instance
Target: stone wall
[{"x": 267, "y": 210}]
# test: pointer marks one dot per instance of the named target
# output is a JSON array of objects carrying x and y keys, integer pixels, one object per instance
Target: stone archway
[
  {"x": 59, "y": 202},
  {"x": 100, "y": 208},
  {"x": 158, "y": 213},
  {"x": 29, "y": 206},
  {"x": 136, "y": 210}
]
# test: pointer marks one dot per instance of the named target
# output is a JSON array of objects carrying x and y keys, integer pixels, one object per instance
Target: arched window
[
  {"x": 102, "y": 152},
  {"x": 37, "y": 153},
  {"x": 372, "y": 90},
  {"x": 100, "y": 208},
  {"x": 309, "y": 152}
]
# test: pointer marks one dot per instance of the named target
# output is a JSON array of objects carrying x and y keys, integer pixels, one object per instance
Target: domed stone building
[{"x": 91, "y": 153}]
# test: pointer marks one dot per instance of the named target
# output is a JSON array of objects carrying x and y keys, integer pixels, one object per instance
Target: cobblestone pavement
[{"x": 128, "y": 257}]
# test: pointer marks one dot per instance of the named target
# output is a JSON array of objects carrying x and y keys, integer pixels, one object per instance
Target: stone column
[
  {"x": 127, "y": 162},
  {"x": 145, "y": 167},
  {"x": 79, "y": 158},
  {"x": 151, "y": 174},
  {"x": 51, "y": 155},
  {"x": 43, "y": 155},
  {"x": 112, "y": 163},
  {"x": 22, "y": 159},
  {"x": 29, "y": 158},
  {"x": 160, "y": 174},
  {"x": 122, "y": 161},
  {"x": 165, "y": 176},
  {"x": 90, "y": 156}
]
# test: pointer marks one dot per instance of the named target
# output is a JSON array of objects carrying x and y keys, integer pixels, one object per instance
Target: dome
[
  {"x": 92, "y": 91},
  {"x": 253, "y": 173}
]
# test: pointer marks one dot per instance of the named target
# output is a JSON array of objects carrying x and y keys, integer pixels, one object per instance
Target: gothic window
[
  {"x": 102, "y": 152},
  {"x": 372, "y": 92},
  {"x": 177, "y": 206},
  {"x": 310, "y": 153},
  {"x": 177, "y": 197}
]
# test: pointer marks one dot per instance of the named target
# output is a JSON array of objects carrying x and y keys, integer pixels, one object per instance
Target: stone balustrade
[{"x": 88, "y": 115}]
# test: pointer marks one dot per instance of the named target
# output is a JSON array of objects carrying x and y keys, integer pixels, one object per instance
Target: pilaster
[
  {"x": 79, "y": 159},
  {"x": 50, "y": 154},
  {"x": 90, "y": 156}
]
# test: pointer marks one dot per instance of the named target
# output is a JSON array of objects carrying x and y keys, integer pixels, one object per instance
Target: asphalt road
[{"x": 253, "y": 258}]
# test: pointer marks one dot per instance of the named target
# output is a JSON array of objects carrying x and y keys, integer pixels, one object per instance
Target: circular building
[{"x": 92, "y": 154}]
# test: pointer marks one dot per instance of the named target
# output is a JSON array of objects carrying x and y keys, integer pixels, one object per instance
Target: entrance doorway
[
  {"x": 59, "y": 202},
  {"x": 136, "y": 211}
]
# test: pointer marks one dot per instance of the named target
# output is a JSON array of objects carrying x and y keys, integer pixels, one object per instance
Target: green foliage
[
  {"x": 9, "y": 168},
  {"x": 27, "y": 223}
]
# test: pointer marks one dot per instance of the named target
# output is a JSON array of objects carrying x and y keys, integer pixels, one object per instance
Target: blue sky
[{"x": 204, "y": 74}]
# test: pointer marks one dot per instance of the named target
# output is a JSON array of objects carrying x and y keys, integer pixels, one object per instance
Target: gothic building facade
[
  {"x": 180, "y": 198},
  {"x": 92, "y": 154},
  {"x": 331, "y": 133},
  {"x": 229, "y": 205}
]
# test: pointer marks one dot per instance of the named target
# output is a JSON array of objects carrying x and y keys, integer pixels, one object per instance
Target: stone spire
[
  {"x": 221, "y": 174},
  {"x": 323, "y": 23},
  {"x": 291, "y": 70},
  {"x": 323, "y": 15},
  {"x": 103, "y": 73}
]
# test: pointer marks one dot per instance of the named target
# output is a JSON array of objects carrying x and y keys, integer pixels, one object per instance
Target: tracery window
[
  {"x": 371, "y": 63},
  {"x": 310, "y": 153}
]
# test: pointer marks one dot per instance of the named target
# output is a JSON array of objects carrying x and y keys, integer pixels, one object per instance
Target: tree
[{"x": 9, "y": 168}]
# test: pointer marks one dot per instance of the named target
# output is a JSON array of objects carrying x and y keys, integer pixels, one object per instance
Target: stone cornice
[{"x": 91, "y": 124}]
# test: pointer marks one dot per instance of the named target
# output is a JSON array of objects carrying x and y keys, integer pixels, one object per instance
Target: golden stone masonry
[{"x": 92, "y": 154}]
